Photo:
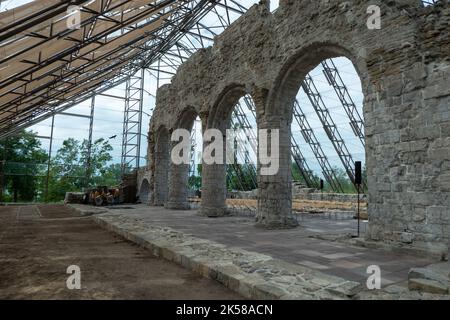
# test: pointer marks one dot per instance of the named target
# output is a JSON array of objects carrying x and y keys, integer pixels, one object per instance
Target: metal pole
[
  {"x": 141, "y": 105},
  {"x": 89, "y": 151},
  {"x": 49, "y": 159},
  {"x": 358, "y": 208}
]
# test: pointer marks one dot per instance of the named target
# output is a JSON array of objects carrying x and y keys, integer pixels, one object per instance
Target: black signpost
[{"x": 358, "y": 182}]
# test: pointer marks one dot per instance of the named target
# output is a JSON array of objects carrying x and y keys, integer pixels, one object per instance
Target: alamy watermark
[
  {"x": 220, "y": 149},
  {"x": 374, "y": 20},
  {"x": 374, "y": 280},
  {"x": 73, "y": 282},
  {"x": 74, "y": 17}
]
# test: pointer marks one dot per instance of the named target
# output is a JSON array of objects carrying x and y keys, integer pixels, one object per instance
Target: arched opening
[
  {"x": 144, "y": 192},
  {"x": 180, "y": 173},
  {"x": 195, "y": 166},
  {"x": 234, "y": 116},
  {"x": 328, "y": 127},
  {"x": 321, "y": 132},
  {"x": 162, "y": 167},
  {"x": 242, "y": 148},
  {"x": 327, "y": 140}
]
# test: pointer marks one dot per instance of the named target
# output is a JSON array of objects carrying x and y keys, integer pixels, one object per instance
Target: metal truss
[
  {"x": 89, "y": 151},
  {"x": 239, "y": 121},
  {"x": 115, "y": 40},
  {"x": 311, "y": 139},
  {"x": 302, "y": 165},
  {"x": 192, "y": 166},
  {"x": 329, "y": 126},
  {"x": 297, "y": 155},
  {"x": 132, "y": 122},
  {"x": 334, "y": 79},
  {"x": 430, "y": 2}
]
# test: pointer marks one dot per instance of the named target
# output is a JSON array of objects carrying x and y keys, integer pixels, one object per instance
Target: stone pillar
[
  {"x": 275, "y": 191},
  {"x": 151, "y": 166},
  {"x": 214, "y": 186},
  {"x": 178, "y": 187},
  {"x": 162, "y": 160},
  {"x": 213, "y": 190}
]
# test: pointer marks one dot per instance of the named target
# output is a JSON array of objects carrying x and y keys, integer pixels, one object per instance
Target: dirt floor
[{"x": 38, "y": 243}]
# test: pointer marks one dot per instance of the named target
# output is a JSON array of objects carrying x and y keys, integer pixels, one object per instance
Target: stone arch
[
  {"x": 214, "y": 189},
  {"x": 403, "y": 68},
  {"x": 162, "y": 167},
  {"x": 278, "y": 115},
  {"x": 144, "y": 191},
  {"x": 179, "y": 174},
  {"x": 298, "y": 65},
  {"x": 220, "y": 112}
]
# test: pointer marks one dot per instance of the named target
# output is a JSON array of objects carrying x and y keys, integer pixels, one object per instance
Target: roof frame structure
[{"x": 94, "y": 60}]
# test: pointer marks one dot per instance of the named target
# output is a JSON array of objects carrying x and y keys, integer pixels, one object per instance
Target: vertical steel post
[
  {"x": 49, "y": 159},
  {"x": 141, "y": 105},
  {"x": 89, "y": 151}
]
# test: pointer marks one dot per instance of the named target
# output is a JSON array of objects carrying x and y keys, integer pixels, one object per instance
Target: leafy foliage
[
  {"x": 22, "y": 169},
  {"x": 70, "y": 170}
]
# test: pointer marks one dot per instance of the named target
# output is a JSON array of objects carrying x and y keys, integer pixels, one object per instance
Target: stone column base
[
  {"x": 213, "y": 212},
  {"x": 177, "y": 206},
  {"x": 273, "y": 224}
]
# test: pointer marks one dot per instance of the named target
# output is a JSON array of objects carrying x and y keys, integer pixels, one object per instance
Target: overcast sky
[{"x": 109, "y": 112}]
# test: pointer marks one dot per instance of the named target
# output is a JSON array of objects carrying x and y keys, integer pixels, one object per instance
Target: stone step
[{"x": 432, "y": 279}]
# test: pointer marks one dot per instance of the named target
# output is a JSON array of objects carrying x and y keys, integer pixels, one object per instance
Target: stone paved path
[{"x": 295, "y": 246}]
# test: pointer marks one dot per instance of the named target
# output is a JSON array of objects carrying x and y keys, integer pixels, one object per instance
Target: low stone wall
[
  {"x": 337, "y": 197},
  {"x": 303, "y": 194}
]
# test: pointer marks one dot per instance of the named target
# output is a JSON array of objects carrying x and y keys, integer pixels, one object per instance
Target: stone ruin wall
[{"x": 404, "y": 69}]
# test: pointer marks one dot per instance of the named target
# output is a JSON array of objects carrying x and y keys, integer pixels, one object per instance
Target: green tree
[
  {"x": 111, "y": 176},
  {"x": 241, "y": 177},
  {"x": 24, "y": 165},
  {"x": 70, "y": 170},
  {"x": 344, "y": 180}
]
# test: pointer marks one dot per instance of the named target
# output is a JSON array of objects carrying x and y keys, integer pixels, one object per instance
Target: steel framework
[
  {"x": 132, "y": 122},
  {"x": 297, "y": 155},
  {"x": 329, "y": 126},
  {"x": 302, "y": 165},
  {"x": 311, "y": 139},
  {"x": 334, "y": 79},
  {"x": 48, "y": 67},
  {"x": 239, "y": 121}
]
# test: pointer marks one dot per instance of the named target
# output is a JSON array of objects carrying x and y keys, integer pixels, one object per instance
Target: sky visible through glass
[{"x": 109, "y": 112}]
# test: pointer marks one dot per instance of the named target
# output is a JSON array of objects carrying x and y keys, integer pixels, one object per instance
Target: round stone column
[
  {"x": 275, "y": 190},
  {"x": 178, "y": 187}
]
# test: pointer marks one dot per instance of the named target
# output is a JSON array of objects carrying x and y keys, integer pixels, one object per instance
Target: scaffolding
[
  {"x": 113, "y": 48},
  {"x": 334, "y": 79},
  {"x": 106, "y": 50},
  {"x": 329, "y": 126},
  {"x": 311, "y": 139},
  {"x": 132, "y": 122}
]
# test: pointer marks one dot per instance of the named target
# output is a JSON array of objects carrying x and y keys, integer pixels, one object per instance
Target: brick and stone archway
[
  {"x": 404, "y": 68},
  {"x": 162, "y": 167},
  {"x": 214, "y": 186},
  {"x": 179, "y": 173},
  {"x": 275, "y": 192}
]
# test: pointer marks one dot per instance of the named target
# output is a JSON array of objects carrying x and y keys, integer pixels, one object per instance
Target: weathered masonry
[{"x": 404, "y": 68}]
